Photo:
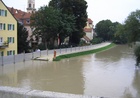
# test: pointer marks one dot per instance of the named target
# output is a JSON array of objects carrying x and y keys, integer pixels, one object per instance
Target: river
[{"x": 110, "y": 73}]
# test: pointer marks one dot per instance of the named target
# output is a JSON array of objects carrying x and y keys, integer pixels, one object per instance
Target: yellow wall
[{"x": 9, "y": 19}]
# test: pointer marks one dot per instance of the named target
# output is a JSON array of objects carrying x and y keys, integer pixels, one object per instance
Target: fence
[{"x": 29, "y": 56}]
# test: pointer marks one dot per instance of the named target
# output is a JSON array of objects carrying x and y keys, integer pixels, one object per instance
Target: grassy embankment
[{"x": 58, "y": 58}]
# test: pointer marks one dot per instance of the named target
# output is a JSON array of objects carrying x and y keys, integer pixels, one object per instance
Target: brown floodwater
[{"x": 110, "y": 73}]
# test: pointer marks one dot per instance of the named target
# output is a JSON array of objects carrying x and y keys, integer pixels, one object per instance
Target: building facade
[
  {"x": 8, "y": 32},
  {"x": 24, "y": 19},
  {"x": 88, "y": 29},
  {"x": 31, "y": 6}
]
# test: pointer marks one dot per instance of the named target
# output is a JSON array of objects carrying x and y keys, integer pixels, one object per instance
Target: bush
[
  {"x": 42, "y": 46},
  {"x": 82, "y": 43},
  {"x": 137, "y": 55},
  {"x": 96, "y": 40}
]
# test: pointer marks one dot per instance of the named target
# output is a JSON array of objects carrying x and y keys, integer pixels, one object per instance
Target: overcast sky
[{"x": 115, "y": 10}]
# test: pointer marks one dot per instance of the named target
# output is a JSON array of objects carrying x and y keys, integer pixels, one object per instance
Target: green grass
[{"x": 58, "y": 58}]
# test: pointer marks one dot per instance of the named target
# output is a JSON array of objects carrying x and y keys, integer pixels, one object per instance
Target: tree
[
  {"x": 132, "y": 28},
  {"x": 66, "y": 27},
  {"x": 137, "y": 54},
  {"x": 103, "y": 29},
  {"x": 120, "y": 34},
  {"x": 50, "y": 23},
  {"x": 76, "y": 8},
  {"x": 23, "y": 44}
]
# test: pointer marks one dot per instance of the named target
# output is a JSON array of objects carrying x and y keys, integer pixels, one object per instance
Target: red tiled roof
[
  {"x": 90, "y": 21},
  {"x": 86, "y": 38},
  {"x": 87, "y": 29},
  {"x": 20, "y": 15}
]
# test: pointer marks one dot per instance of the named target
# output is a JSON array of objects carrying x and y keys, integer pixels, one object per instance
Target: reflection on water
[
  {"x": 110, "y": 73},
  {"x": 60, "y": 76}
]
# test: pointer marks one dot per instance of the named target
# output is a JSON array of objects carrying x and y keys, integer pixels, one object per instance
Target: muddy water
[{"x": 110, "y": 73}]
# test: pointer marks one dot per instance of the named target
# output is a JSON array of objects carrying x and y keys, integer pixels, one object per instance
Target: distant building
[
  {"x": 24, "y": 17},
  {"x": 8, "y": 31},
  {"x": 88, "y": 29},
  {"x": 31, "y": 6}
]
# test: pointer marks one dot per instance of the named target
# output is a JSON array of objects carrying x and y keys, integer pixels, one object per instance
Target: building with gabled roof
[
  {"x": 23, "y": 18},
  {"x": 88, "y": 29},
  {"x": 8, "y": 31}
]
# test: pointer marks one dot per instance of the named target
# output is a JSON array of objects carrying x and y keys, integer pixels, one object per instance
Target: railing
[
  {"x": 4, "y": 45},
  {"x": 12, "y": 59},
  {"x": 11, "y": 92}
]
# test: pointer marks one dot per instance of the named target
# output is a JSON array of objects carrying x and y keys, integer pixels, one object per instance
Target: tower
[{"x": 31, "y": 6}]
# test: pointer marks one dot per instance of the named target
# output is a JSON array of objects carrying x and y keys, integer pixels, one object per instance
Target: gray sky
[{"x": 115, "y": 10}]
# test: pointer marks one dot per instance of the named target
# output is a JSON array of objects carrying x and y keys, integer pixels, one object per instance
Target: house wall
[
  {"x": 8, "y": 19},
  {"x": 89, "y": 33},
  {"x": 29, "y": 32}
]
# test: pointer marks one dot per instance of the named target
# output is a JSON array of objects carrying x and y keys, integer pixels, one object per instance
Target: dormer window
[
  {"x": 16, "y": 11},
  {"x": 28, "y": 21}
]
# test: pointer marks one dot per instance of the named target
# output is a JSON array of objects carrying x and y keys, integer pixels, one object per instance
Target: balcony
[{"x": 4, "y": 45}]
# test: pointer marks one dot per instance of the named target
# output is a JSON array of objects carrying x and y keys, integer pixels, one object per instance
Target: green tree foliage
[
  {"x": 50, "y": 23},
  {"x": 96, "y": 40},
  {"x": 76, "y": 8},
  {"x": 137, "y": 54},
  {"x": 23, "y": 44},
  {"x": 105, "y": 29},
  {"x": 132, "y": 26},
  {"x": 120, "y": 34}
]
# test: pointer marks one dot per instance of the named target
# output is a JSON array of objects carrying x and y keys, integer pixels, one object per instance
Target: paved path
[{"x": 91, "y": 47}]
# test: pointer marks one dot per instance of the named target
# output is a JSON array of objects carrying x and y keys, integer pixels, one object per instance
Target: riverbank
[
  {"x": 58, "y": 58},
  {"x": 75, "y": 51}
]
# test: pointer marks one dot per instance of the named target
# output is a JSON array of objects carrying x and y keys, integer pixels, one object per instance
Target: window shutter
[
  {"x": 13, "y": 52},
  {"x": 8, "y": 26},
  {"x": 5, "y": 12},
  {"x": 8, "y": 39},
  {"x": 2, "y": 54},
  {"x": 13, "y": 26},
  {"x": 13, "y": 40},
  {"x": 7, "y": 52},
  {"x": 4, "y": 26},
  {"x": 0, "y": 12}
]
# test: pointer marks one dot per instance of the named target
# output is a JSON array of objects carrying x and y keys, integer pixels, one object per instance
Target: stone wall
[{"x": 10, "y": 92}]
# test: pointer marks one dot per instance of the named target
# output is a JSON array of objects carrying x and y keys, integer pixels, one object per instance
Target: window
[
  {"x": 11, "y": 52},
  {"x": 10, "y": 39},
  {"x": 2, "y": 26},
  {"x": 10, "y": 26},
  {"x": 29, "y": 5},
  {"x": 1, "y": 53},
  {"x": 3, "y": 12},
  {"x": 28, "y": 21},
  {"x": 1, "y": 39}
]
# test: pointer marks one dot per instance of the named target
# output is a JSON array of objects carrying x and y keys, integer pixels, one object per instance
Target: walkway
[{"x": 49, "y": 57}]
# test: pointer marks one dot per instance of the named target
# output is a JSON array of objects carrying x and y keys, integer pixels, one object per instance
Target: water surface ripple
[{"x": 109, "y": 73}]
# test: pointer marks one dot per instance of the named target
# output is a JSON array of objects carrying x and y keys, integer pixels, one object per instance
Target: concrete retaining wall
[{"x": 10, "y": 92}]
